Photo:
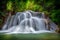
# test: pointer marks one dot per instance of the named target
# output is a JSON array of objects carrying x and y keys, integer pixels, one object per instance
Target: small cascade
[{"x": 27, "y": 22}]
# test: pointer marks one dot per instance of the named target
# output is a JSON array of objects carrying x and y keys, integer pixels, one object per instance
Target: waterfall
[{"x": 27, "y": 22}]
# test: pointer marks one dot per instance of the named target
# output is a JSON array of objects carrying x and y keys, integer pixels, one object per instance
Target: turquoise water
[{"x": 41, "y": 36}]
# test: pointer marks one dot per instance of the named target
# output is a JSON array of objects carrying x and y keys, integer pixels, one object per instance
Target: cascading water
[{"x": 27, "y": 22}]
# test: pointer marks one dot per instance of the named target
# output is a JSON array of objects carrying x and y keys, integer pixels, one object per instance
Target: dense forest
[{"x": 50, "y": 7}]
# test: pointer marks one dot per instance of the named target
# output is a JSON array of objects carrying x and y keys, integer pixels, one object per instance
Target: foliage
[
  {"x": 55, "y": 15},
  {"x": 26, "y": 5},
  {"x": 2, "y": 14},
  {"x": 9, "y": 5},
  {"x": 51, "y": 7}
]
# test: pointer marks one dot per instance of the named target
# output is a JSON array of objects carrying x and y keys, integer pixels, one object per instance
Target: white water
[{"x": 27, "y": 22}]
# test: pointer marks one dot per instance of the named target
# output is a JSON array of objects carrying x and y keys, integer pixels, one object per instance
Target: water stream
[{"x": 27, "y": 22}]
